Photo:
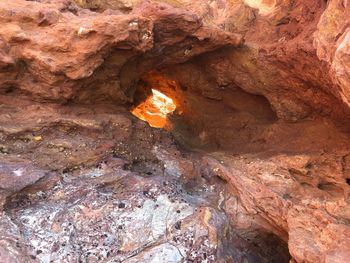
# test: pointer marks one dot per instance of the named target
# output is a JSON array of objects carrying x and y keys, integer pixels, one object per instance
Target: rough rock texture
[
  {"x": 99, "y": 185},
  {"x": 284, "y": 52},
  {"x": 332, "y": 43},
  {"x": 51, "y": 49},
  {"x": 255, "y": 168}
]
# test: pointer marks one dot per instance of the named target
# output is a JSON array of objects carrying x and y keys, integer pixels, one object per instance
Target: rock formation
[{"x": 254, "y": 165}]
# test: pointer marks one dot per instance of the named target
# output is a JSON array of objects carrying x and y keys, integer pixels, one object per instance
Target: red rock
[{"x": 255, "y": 166}]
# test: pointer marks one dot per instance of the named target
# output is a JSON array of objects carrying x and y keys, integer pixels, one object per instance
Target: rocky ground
[
  {"x": 83, "y": 185},
  {"x": 254, "y": 166}
]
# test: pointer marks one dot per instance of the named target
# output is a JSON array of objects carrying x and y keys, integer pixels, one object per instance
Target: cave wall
[
  {"x": 293, "y": 51},
  {"x": 258, "y": 155},
  {"x": 286, "y": 55}
]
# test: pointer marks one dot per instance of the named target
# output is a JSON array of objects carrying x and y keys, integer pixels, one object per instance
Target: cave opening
[
  {"x": 155, "y": 110},
  {"x": 217, "y": 118}
]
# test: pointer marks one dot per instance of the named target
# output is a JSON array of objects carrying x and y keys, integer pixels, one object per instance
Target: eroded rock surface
[
  {"x": 107, "y": 187},
  {"x": 255, "y": 167},
  {"x": 51, "y": 49}
]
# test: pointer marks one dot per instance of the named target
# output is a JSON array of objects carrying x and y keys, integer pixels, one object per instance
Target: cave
[
  {"x": 192, "y": 115},
  {"x": 174, "y": 131}
]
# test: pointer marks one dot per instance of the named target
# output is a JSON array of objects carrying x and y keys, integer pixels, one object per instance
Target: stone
[{"x": 253, "y": 166}]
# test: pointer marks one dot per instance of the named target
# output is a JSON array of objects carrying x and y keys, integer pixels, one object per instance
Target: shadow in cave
[
  {"x": 232, "y": 120},
  {"x": 258, "y": 247}
]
